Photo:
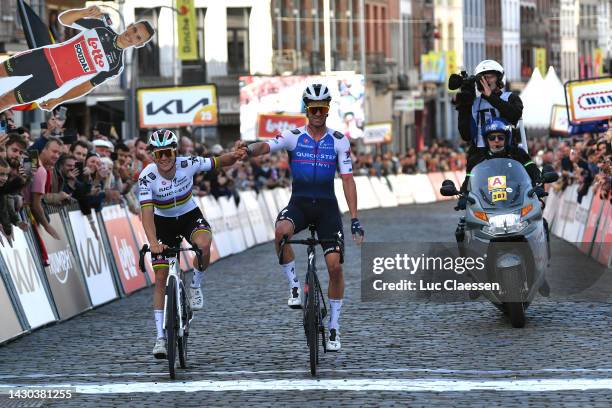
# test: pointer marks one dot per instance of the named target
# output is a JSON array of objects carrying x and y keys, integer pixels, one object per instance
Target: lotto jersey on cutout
[
  {"x": 92, "y": 52},
  {"x": 314, "y": 164},
  {"x": 172, "y": 198}
]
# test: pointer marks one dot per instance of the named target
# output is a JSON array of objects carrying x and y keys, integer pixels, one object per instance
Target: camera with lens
[{"x": 463, "y": 80}]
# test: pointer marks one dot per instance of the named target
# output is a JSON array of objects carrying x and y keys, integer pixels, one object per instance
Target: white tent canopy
[
  {"x": 555, "y": 87},
  {"x": 536, "y": 102}
]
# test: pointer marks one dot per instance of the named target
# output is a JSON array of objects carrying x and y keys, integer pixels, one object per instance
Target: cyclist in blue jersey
[
  {"x": 170, "y": 213},
  {"x": 315, "y": 153}
]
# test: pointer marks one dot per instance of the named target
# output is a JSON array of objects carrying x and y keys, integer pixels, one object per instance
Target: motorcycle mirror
[
  {"x": 448, "y": 189},
  {"x": 550, "y": 177}
]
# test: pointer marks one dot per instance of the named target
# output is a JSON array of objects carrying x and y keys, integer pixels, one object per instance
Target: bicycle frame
[{"x": 175, "y": 273}]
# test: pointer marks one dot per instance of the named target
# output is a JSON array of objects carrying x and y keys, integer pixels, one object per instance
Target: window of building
[{"x": 238, "y": 40}]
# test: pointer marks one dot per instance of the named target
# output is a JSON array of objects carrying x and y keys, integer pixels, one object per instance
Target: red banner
[
  {"x": 124, "y": 248},
  {"x": 141, "y": 239},
  {"x": 271, "y": 124}
]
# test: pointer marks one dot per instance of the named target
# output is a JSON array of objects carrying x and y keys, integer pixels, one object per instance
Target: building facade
[
  {"x": 511, "y": 38},
  {"x": 569, "y": 45},
  {"x": 473, "y": 33}
]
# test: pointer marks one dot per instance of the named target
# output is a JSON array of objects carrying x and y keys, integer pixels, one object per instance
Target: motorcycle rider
[
  {"x": 498, "y": 139},
  {"x": 474, "y": 111},
  {"x": 497, "y": 134}
]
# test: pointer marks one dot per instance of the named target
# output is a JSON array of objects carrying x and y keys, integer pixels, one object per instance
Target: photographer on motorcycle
[{"x": 493, "y": 101}]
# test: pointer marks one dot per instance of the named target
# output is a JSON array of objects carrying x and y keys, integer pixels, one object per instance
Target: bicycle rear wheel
[
  {"x": 182, "y": 341},
  {"x": 171, "y": 325},
  {"x": 312, "y": 323}
]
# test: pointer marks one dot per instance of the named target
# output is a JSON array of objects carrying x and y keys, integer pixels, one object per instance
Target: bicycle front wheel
[
  {"x": 312, "y": 324},
  {"x": 182, "y": 341},
  {"x": 171, "y": 325}
]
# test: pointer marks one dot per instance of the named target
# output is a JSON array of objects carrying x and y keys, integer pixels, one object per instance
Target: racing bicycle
[
  {"x": 314, "y": 307},
  {"x": 177, "y": 309}
]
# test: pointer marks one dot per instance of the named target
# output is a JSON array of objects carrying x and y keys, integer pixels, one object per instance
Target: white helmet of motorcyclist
[{"x": 487, "y": 66}]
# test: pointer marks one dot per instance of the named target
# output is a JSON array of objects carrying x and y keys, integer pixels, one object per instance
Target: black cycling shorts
[
  {"x": 31, "y": 63},
  {"x": 171, "y": 231},
  {"x": 323, "y": 213}
]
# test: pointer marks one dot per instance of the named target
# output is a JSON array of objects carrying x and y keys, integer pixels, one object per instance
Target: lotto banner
[
  {"x": 282, "y": 95},
  {"x": 141, "y": 239},
  {"x": 124, "y": 248},
  {"x": 271, "y": 124},
  {"x": 64, "y": 273}
]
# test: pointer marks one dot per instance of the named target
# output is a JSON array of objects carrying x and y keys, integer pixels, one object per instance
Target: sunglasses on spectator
[
  {"x": 158, "y": 154},
  {"x": 314, "y": 109},
  {"x": 494, "y": 137}
]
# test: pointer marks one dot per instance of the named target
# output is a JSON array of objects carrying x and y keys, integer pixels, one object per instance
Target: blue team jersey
[{"x": 314, "y": 164}]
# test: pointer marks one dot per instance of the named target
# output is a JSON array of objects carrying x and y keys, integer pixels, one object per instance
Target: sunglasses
[
  {"x": 496, "y": 137},
  {"x": 158, "y": 154},
  {"x": 314, "y": 109}
]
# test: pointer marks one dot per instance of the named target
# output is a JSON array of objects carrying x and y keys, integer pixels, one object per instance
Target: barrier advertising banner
[
  {"x": 589, "y": 100},
  {"x": 378, "y": 133},
  {"x": 593, "y": 219},
  {"x": 177, "y": 106},
  {"x": 230, "y": 215},
  {"x": 8, "y": 318},
  {"x": 213, "y": 214},
  {"x": 269, "y": 95},
  {"x": 94, "y": 263},
  {"x": 256, "y": 218},
  {"x": 124, "y": 248},
  {"x": 64, "y": 274},
  {"x": 141, "y": 239},
  {"x": 27, "y": 280}
]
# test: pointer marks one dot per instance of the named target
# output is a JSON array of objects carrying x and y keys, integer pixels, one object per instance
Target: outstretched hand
[{"x": 50, "y": 104}]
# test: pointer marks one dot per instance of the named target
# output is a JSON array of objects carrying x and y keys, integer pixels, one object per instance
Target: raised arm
[{"x": 69, "y": 17}]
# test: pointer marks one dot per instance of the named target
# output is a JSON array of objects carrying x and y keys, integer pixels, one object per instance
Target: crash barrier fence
[{"x": 95, "y": 262}]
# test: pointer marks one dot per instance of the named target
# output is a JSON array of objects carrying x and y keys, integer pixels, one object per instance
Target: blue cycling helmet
[{"x": 497, "y": 125}]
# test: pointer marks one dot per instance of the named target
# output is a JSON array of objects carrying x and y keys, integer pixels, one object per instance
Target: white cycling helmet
[
  {"x": 492, "y": 66},
  {"x": 316, "y": 92},
  {"x": 162, "y": 138}
]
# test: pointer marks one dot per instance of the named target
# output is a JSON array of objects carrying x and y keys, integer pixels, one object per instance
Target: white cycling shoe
[
  {"x": 332, "y": 342},
  {"x": 196, "y": 298},
  {"x": 159, "y": 350},
  {"x": 295, "y": 298}
]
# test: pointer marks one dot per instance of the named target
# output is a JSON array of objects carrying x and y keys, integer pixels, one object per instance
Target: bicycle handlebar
[
  {"x": 309, "y": 242},
  {"x": 168, "y": 252}
]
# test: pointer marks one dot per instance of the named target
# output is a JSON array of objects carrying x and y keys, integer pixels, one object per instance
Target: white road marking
[
  {"x": 437, "y": 371},
  {"x": 403, "y": 385}
]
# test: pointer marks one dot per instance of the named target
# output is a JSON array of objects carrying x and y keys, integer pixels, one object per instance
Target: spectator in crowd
[
  {"x": 186, "y": 147},
  {"x": 104, "y": 148},
  {"x": 41, "y": 186},
  {"x": 8, "y": 215},
  {"x": 52, "y": 128},
  {"x": 79, "y": 150}
]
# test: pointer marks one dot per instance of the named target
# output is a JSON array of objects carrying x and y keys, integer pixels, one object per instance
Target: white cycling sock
[
  {"x": 196, "y": 281},
  {"x": 289, "y": 270},
  {"x": 335, "y": 305},
  {"x": 159, "y": 323}
]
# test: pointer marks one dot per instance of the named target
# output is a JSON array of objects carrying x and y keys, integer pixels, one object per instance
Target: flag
[
  {"x": 37, "y": 35},
  {"x": 187, "y": 34}
]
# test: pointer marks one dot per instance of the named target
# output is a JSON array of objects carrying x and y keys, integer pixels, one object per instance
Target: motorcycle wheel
[{"x": 513, "y": 283}]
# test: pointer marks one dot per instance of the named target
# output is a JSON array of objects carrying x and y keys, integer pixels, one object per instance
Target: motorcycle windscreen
[{"x": 499, "y": 183}]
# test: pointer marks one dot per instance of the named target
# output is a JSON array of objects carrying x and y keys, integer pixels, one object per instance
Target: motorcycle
[{"x": 503, "y": 223}]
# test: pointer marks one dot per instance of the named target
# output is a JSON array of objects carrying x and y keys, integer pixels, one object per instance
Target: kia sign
[
  {"x": 377, "y": 133},
  {"x": 589, "y": 100},
  {"x": 124, "y": 248},
  {"x": 63, "y": 273},
  {"x": 271, "y": 124},
  {"x": 27, "y": 281},
  {"x": 177, "y": 106}
]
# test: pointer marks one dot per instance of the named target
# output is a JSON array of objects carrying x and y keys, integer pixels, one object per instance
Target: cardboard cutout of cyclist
[{"x": 57, "y": 73}]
